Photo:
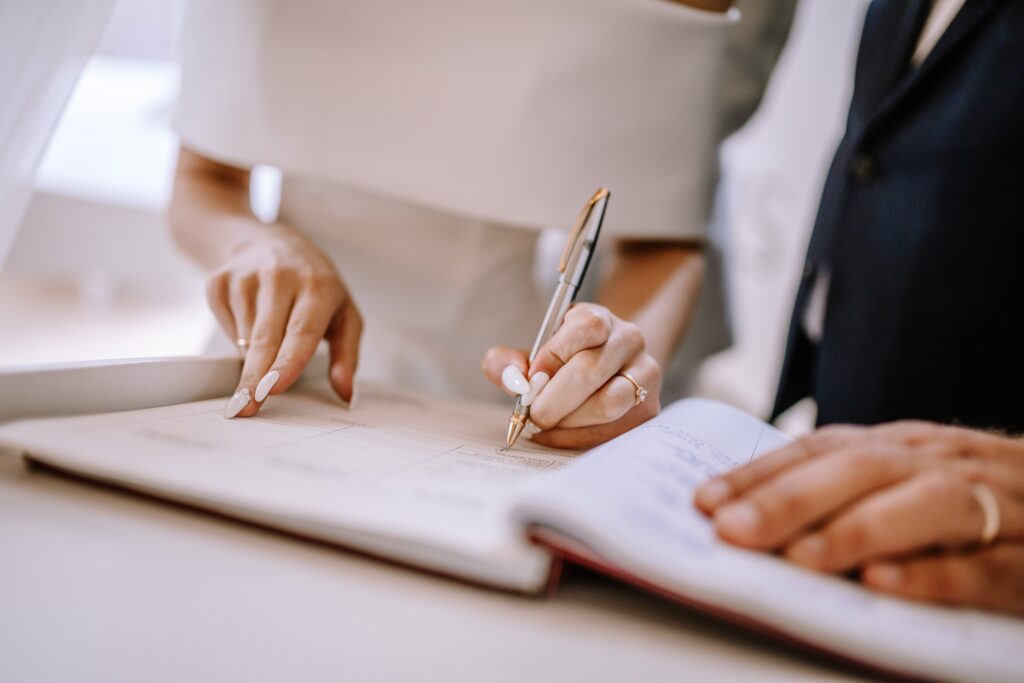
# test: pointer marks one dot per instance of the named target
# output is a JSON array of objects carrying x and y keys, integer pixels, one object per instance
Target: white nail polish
[
  {"x": 266, "y": 384},
  {"x": 514, "y": 380},
  {"x": 537, "y": 382},
  {"x": 239, "y": 401}
]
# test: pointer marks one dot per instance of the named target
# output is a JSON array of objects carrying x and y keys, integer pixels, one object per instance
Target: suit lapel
[
  {"x": 896, "y": 24},
  {"x": 964, "y": 25}
]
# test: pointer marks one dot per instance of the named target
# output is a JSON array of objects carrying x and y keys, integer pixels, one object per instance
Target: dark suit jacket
[{"x": 921, "y": 225}]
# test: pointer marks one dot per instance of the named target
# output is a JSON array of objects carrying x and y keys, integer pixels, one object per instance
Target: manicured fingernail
[
  {"x": 266, "y": 384},
  {"x": 537, "y": 382},
  {"x": 738, "y": 519},
  {"x": 885, "y": 575},
  {"x": 808, "y": 550},
  {"x": 714, "y": 493},
  {"x": 514, "y": 380},
  {"x": 240, "y": 400}
]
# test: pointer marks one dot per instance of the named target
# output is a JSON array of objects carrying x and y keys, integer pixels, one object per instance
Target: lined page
[
  {"x": 417, "y": 479},
  {"x": 630, "y": 502}
]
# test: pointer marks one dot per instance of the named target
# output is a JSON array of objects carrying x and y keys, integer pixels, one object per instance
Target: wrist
[{"x": 242, "y": 234}]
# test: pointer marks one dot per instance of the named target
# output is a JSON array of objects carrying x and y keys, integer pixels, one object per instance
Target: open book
[{"x": 424, "y": 482}]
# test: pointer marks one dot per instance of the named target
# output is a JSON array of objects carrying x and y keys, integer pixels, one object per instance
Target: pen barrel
[{"x": 565, "y": 292}]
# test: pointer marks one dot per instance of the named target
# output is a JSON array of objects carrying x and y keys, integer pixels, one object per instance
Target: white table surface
[{"x": 99, "y": 585}]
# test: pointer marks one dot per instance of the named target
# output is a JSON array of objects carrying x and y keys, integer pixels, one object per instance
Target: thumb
[{"x": 498, "y": 358}]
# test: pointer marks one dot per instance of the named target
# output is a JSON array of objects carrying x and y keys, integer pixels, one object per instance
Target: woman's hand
[
  {"x": 902, "y": 504},
  {"x": 587, "y": 400},
  {"x": 282, "y": 295},
  {"x": 270, "y": 286}
]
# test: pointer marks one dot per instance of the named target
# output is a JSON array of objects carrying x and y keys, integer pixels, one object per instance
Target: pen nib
[{"x": 515, "y": 428}]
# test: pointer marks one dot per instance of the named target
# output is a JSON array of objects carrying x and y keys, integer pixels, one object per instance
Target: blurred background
[{"x": 91, "y": 273}]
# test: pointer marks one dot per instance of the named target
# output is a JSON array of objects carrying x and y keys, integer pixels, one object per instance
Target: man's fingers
[
  {"x": 272, "y": 310},
  {"x": 774, "y": 511},
  {"x": 715, "y": 493},
  {"x": 343, "y": 337},
  {"x": 586, "y": 326},
  {"x": 498, "y": 358},
  {"x": 990, "y": 578},
  {"x": 936, "y": 508}
]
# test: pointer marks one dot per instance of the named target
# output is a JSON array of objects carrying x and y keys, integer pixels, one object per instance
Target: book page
[
  {"x": 416, "y": 479},
  {"x": 630, "y": 503}
]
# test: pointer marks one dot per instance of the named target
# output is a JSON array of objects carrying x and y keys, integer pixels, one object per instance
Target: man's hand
[{"x": 898, "y": 504}]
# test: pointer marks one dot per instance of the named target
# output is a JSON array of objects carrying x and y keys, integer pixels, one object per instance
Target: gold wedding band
[
  {"x": 639, "y": 393},
  {"x": 242, "y": 343},
  {"x": 990, "y": 509}
]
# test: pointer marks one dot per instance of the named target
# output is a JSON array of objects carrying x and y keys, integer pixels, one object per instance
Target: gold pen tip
[{"x": 515, "y": 428}]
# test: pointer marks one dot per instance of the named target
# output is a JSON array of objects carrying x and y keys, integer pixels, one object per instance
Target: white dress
[{"x": 424, "y": 145}]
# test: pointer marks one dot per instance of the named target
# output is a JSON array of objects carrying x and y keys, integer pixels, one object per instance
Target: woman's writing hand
[
  {"x": 586, "y": 400},
  {"x": 281, "y": 295},
  {"x": 905, "y": 506}
]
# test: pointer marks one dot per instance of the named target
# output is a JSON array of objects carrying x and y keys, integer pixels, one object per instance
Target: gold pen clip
[{"x": 581, "y": 223}]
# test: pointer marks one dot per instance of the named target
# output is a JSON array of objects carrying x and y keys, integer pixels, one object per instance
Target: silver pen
[{"x": 571, "y": 268}]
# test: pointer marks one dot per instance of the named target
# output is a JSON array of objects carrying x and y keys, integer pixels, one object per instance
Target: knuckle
[
  {"x": 934, "y": 452},
  {"x": 244, "y": 284},
  {"x": 855, "y": 538},
  {"x": 632, "y": 336},
  {"x": 868, "y": 461},
  {"x": 278, "y": 277},
  {"x": 649, "y": 368},
  {"x": 586, "y": 362},
  {"x": 789, "y": 506},
  {"x": 216, "y": 283},
  {"x": 320, "y": 283},
  {"x": 785, "y": 504},
  {"x": 611, "y": 405},
  {"x": 304, "y": 326},
  {"x": 832, "y": 436},
  {"x": 942, "y": 486},
  {"x": 553, "y": 358},
  {"x": 593, "y": 325},
  {"x": 908, "y": 432},
  {"x": 963, "y": 444},
  {"x": 266, "y": 337}
]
